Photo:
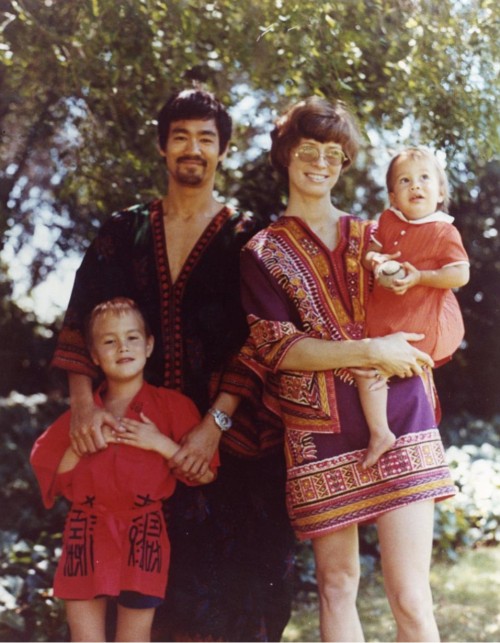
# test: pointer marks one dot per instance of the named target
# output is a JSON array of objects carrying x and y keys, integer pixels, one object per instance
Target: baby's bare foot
[{"x": 379, "y": 444}]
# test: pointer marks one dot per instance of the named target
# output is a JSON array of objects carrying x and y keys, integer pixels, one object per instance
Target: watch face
[{"x": 222, "y": 420}]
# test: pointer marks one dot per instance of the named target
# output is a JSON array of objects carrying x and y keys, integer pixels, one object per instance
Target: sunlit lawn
[{"x": 466, "y": 597}]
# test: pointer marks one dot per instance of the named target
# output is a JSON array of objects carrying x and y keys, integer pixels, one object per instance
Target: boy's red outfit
[
  {"x": 429, "y": 243},
  {"x": 115, "y": 537}
]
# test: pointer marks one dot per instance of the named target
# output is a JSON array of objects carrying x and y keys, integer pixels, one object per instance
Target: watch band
[{"x": 222, "y": 419}]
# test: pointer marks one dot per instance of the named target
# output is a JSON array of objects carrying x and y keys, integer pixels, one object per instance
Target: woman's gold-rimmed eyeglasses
[{"x": 334, "y": 156}]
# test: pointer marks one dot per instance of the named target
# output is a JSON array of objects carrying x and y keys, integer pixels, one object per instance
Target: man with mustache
[{"x": 178, "y": 258}]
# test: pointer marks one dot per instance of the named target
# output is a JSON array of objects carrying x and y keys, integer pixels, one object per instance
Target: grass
[{"x": 466, "y": 598}]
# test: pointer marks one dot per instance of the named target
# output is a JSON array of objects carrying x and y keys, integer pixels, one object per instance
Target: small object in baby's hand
[{"x": 388, "y": 271}]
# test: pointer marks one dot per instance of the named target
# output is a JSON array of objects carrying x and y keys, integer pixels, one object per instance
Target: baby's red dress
[{"x": 428, "y": 244}]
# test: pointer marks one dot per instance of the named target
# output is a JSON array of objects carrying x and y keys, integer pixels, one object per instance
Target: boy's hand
[
  {"x": 109, "y": 435},
  {"x": 142, "y": 434}
]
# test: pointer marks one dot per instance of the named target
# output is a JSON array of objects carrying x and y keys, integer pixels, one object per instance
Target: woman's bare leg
[
  {"x": 338, "y": 572},
  {"x": 405, "y": 537}
]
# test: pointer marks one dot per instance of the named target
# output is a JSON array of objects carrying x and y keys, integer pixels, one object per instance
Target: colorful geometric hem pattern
[{"x": 331, "y": 494}]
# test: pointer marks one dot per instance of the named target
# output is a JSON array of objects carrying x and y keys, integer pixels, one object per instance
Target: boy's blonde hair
[
  {"x": 422, "y": 153},
  {"x": 117, "y": 306}
]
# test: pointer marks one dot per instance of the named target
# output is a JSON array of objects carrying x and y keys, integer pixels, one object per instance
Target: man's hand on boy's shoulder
[{"x": 86, "y": 429}]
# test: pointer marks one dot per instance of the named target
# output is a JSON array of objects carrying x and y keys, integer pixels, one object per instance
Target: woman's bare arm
[{"x": 392, "y": 355}]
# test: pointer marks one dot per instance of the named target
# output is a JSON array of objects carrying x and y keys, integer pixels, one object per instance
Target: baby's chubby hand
[
  {"x": 378, "y": 258},
  {"x": 412, "y": 279}
]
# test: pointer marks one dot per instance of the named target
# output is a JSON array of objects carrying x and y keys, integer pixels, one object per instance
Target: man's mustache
[{"x": 189, "y": 157}]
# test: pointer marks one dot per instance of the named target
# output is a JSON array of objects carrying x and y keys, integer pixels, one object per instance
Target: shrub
[
  {"x": 30, "y": 536},
  {"x": 472, "y": 517}
]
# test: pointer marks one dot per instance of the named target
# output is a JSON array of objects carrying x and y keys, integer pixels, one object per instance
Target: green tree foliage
[
  {"x": 26, "y": 347},
  {"x": 81, "y": 82}
]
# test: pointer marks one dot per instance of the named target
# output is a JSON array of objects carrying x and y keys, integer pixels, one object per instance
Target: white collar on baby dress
[{"x": 430, "y": 218}]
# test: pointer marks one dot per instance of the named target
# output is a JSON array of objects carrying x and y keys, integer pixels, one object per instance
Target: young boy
[
  {"x": 417, "y": 230},
  {"x": 115, "y": 542}
]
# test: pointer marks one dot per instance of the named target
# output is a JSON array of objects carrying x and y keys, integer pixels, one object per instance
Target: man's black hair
[{"x": 193, "y": 104}]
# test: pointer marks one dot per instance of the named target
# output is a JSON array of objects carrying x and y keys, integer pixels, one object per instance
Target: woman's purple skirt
[{"x": 327, "y": 489}]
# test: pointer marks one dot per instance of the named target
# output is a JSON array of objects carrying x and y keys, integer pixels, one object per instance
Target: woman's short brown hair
[{"x": 318, "y": 119}]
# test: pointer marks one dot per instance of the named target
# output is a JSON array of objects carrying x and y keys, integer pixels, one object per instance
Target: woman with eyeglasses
[{"x": 304, "y": 290}]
